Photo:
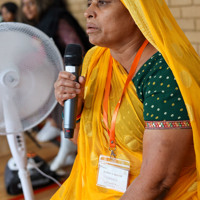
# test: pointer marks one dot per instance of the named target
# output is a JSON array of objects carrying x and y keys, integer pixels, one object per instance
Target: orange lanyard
[{"x": 111, "y": 132}]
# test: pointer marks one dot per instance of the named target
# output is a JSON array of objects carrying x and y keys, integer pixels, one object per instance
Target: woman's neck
[{"x": 126, "y": 53}]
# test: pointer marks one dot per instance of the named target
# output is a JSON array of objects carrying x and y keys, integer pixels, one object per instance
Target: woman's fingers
[
  {"x": 62, "y": 97},
  {"x": 82, "y": 86},
  {"x": 64, "y": 93},
  {"x": 66, "y": 83},
  {"x": 67, "y": 88},
  {"x": 66, "y": 75},
  {"x": 82, "y": 80}
]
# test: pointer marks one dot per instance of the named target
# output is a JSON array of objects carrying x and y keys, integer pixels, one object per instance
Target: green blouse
[{"x": 157, "y": 89}]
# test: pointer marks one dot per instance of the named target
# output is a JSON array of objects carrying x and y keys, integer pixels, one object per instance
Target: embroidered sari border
[{"x": 167, "y": 124}]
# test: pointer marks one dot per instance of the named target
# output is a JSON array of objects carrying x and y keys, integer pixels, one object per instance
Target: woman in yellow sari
[{"x": 139, "y": 103}]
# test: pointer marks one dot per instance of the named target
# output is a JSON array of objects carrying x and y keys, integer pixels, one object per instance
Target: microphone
[{"x": 72, "y": 61}]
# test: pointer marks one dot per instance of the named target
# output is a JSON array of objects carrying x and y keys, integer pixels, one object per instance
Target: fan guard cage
[{"x": 35, "y": 61}]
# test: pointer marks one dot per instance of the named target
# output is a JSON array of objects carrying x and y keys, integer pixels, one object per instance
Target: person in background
[
  {"x": 9, "y": 12},
  {"x": 139, "y": 94},
  {"x": 51, "y": 17},
  {"x": 0, "y": 17}
]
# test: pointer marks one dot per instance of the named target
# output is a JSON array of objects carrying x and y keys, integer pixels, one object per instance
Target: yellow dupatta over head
[
  {"x": 159, "y": 27},
  {"x": 157, "y": 24}
]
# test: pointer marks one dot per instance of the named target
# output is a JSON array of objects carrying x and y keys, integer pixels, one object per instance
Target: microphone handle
[{"x": 70, "y": 106}]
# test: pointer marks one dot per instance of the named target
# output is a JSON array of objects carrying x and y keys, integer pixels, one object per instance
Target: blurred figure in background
[
  {"x": 1, "y": 17},
  {"x": 9, "y": 12},
  {"x": 52, "y": 18}
]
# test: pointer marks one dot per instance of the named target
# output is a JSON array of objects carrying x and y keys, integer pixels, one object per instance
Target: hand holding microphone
[
  {"x": 69, "y": 88},
  {"x": 66, "y": 88}
]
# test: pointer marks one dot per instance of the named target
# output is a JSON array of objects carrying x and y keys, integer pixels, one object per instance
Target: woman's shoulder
[
  {"x": 158, "y": 90},
  {"x": 92, "y": 52},
  {"x": 87, "y": 59},
  {"x": 154, "y": 67},
  {"x": 92, "y": 56}
]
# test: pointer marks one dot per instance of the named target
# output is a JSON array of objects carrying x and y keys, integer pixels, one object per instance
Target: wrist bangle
[{"x": 78, "y": 118}]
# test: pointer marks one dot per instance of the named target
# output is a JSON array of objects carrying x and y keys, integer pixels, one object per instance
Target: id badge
[{"x": 113, "y": 173}]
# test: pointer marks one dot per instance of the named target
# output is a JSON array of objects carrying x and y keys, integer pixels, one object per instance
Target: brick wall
[
  {"x": 4, "y": 1},
  {"x": 186, "y": 12},
  {"x": 77, "y": 7}
]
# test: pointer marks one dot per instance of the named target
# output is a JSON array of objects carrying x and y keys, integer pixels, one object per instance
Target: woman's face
[
  {"x": 29, "y": 8},
  {"x": 6, "y": 15},
  {"x": 109, "y": 23}
]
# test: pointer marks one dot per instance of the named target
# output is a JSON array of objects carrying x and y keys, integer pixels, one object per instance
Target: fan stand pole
[
  {"x": 20, "y": 160},
  {"x": 17, "y": 145}
]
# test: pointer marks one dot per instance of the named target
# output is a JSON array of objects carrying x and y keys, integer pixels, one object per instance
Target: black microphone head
[{"x": 73, "y": 55}]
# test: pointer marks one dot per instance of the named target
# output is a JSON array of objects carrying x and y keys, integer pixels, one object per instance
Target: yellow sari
[{"x": 159, "y": 27}]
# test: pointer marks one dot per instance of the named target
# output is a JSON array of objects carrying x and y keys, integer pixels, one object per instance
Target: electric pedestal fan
[{"x": 29, "y": 66}]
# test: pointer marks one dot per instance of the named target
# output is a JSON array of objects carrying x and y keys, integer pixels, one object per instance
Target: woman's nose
[{"x": 90, "y": 11}]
